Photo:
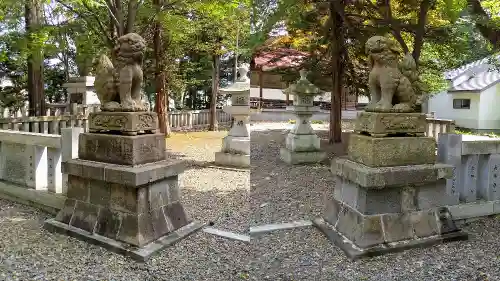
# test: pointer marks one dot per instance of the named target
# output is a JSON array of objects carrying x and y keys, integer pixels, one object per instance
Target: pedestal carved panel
[
  {"x": 382, "y": 124},
  {"x": 124, "y": 150},
  {"x": 130, "y": 123}
]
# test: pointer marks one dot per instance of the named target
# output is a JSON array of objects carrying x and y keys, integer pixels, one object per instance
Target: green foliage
[{"x": 76, "y": 31}]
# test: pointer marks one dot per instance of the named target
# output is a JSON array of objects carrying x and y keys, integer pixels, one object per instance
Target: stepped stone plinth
[
  {"x": 389, "y": 195},
  {"x": 123, "y": 191}
]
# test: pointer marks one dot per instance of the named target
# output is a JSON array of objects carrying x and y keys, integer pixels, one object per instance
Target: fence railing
[
  {"x": 76, "y": 115},
  {"x": 30, "y": 165},
  {"x": 474, "y": 189},
  {"x": 435, "y": 127}
]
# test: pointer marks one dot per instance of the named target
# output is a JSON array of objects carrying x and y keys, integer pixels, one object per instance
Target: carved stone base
[
  {"x": 128, "y": 123},
  {"x": 131, "y": 205},
  {"x": 124, "y": 150},
  {"x": 379, "y": 210},
  {"x": 383, "y": 177},
  {"x": 378, "y": 124},
  {"x": 391, "y": 151}
]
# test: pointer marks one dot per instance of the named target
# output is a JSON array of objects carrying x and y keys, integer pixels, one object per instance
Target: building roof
[
  {"x": 475, "y": 76},
  {"x": 280, "y": 58},
  {"x": 478, "y": 82}
]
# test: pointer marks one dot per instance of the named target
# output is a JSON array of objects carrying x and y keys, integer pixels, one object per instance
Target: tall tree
[
  {"x": 34, "y": 21},
  {"x": 161, "y": 96}
]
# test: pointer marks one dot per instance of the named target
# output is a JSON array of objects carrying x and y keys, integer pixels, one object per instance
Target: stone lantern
[
  {"x": 302, "y": 144},
  {"x": 236, "y": 145}
]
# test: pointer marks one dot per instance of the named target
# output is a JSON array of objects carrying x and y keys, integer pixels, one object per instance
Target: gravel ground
[
  {"x": 211, "y": 194},
  {"x": 305, "y": 254},
  {"x": 282, "y": 193},
  {"x": 27, "y": 253}
]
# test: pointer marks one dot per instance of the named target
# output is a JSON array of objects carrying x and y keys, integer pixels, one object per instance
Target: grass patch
[{"x": 463, "y": 131}]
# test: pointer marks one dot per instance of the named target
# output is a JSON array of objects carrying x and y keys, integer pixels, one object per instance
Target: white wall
[
  {"x": 442, "y": 106},
  {"x": 489, "y": 115}
]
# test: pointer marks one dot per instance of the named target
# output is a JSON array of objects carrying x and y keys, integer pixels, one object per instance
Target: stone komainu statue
[
  {"x": 394, "y": 86},
  {"x": 119, "y": 87}
]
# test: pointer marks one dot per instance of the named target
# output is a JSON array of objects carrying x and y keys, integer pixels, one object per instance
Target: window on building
[{"x": 461, "y": 103}]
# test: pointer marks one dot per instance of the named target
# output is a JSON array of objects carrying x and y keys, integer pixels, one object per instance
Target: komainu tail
[
  {"x": 104, "y": 79},
  {"x": 408, "y": 68}
]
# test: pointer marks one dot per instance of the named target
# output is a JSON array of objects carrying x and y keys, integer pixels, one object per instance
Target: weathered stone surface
[
  {"x": 391, "y": 151},
  {"x": 331, "y": 211},
  {"x": 127, "y": 175},
  {"x": 371, "y": 232},
  {"x": 66, "y": 212},
  {"x": 124, "y": 150},
  {"x": 301, "y": 157},
  {"x": 175, "y": 212},
  {"x": 397, "y": 227},
  {"x": 130, "y": 123},
  {"x": 135, "y": 215},
  {"x": 85, "y": 216},
  {"x": 424, "y": 223},
  {"x": 232, "y": 160},
  {"x": 367, "y": 231},
  {"x": 368, "y": 201},
  {"x": 349, "y": 222},
  {"x": 380, "y": 124},
  {"x": 79, "y": 188},
  {"x": 433, "y": 195},
  {"x": 109, "y": 223},
  {"x": 302, "y": 143},
  {"x": 385, "y": 177}
]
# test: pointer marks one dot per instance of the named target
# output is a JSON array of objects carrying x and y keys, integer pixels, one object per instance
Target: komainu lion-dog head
[
  {"x": 130, "y": 49},
  {"x": 381, "y": 50}
]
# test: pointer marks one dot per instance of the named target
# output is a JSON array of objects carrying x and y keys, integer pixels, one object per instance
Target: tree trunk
[
  {"x": 168, "y": 130},
  {"x": 418, "y": 41},
  {"x": 337, "y": 63},
  {"x": 36, "y": 96},
  {"x": 215, "y": 91},
  {"x": 159, "y": 75}
]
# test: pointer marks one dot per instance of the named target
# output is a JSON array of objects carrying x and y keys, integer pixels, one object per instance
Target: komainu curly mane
[
  {"x": 394, "y": 86},
  {"x": 119, "y": 87}
]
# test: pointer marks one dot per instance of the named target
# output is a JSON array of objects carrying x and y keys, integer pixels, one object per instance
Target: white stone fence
[
  {"x": 30, "y": 166},
  {"x": 474, "y": 189},
  {"x": 60, "y": 116}
]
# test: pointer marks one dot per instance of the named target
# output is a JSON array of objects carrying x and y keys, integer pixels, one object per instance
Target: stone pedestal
[
  {"x": 302, "y": 144},
  {"x": 123, "y": 193},
  {"x": 235, "y": 150},
  {"x": 388, "y": 197}
]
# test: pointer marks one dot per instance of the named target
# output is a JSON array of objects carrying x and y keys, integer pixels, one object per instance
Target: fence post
[
  {"x": 37, "y": 175},
  {"x": 55, "y": 183},
  {"x": 69, "y": 148},
  {"x": 190, "y": 119}
]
